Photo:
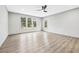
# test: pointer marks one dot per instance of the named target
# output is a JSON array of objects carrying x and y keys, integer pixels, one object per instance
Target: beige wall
[
  {"x": 66, "y": 23},
  {"x": 3, "y": 24}
]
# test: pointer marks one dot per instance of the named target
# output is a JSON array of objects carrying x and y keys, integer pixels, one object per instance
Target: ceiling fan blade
[
  {"x": 45, "y": 6},
  {"x": 39, "y": 10},
  {"x": 42, "y": 9}
]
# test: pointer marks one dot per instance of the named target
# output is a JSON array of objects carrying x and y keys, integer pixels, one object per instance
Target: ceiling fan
[{"x": 43, "y": 8}]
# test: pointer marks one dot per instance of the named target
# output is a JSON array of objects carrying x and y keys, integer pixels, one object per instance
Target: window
[
  {"x": 34, "y": 23},
  {"x": 23, "y": 22},
  {"x": 29, "y": 21},
  {"x": 45, "y": 24}
]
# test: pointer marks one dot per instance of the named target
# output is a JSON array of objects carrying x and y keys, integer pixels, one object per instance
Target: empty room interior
[{"x": 39, "y": 28}]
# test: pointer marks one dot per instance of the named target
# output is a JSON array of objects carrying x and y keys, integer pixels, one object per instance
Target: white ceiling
[{"x": 32, "y": 9}]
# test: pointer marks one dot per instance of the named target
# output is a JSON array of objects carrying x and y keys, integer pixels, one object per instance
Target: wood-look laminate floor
[{"x": 40, "y": 42}]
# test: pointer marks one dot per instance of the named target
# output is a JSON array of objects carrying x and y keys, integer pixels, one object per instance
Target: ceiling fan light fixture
[
  {"x": 44, "y": 8},
  {"x": 45, "y": 11}
]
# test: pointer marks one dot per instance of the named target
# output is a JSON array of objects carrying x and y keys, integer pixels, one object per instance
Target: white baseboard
[
  {"x": 23, "y": 32},
  {"x": 75, "y": 36}
]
